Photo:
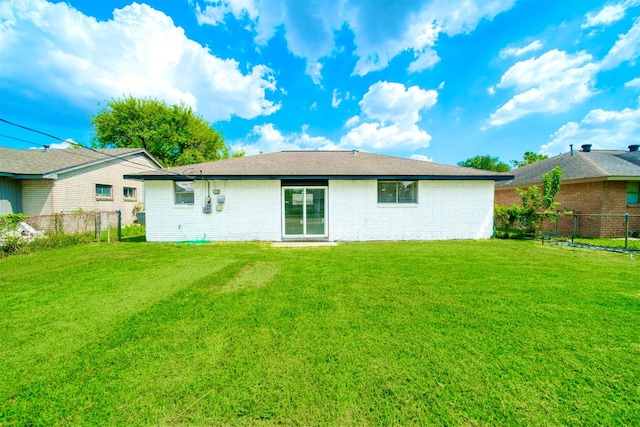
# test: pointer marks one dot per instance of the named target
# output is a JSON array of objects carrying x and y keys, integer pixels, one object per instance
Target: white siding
[
  {"x": 253, "y": 209},
  {"x": 445, "y": 210}
]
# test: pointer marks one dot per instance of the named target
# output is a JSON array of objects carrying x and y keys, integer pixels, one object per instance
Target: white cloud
[
  {"x": 310, "y": 26},
  {"x": 139, "y": 52},
  {"x": 68, "y": 143},
  {"x": 352, "y": 121},
  {"x": 635, "y": 83},
  {"x": 609, "y": 14},
  {"x": 266, "y": 139},
  {"x": 391, "y": 113},
  {"x": 519, "y": 51},
  {"x": 376, "y": 136},
  {"x": 552, "y": 82},
  {"x": 214, "y": 13},
  {"x": 627, "y": 48},
  {"x": 335, "y": 99},
  {"x": 556, "y": 80},
  {"x": 421, "y": 157},
  {"x": 603, "y": 129},
  {"x": 393, "y": 103}
]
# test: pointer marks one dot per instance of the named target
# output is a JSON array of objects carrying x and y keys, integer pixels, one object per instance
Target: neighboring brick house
[
  {"x": 319, "y": 195},
  {"x": 44, "y": 182},
  {"x": 593, "y": 182}
]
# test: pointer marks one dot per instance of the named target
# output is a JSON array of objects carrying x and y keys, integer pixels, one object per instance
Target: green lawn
[{"x": 432, "y": 333}]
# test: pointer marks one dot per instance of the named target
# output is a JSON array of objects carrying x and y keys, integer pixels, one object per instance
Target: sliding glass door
[{"x": 304, "y": 212}]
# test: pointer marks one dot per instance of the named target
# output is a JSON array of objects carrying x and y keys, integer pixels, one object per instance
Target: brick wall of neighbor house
[
  {"x": 37, "y": 197},
  {"x": 445, "y": 210},
  {"x": 77, "y": 189},
  {"x": 600, "y": 197},
  {"x": 253, "y": 211}
]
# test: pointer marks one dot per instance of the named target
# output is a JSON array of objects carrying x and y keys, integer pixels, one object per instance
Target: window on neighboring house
[
  {"x": 183, "y": 192},
  {"x": 104, "y": 191},
  {"x": 633, "y": 193},
  {"x": 129, "y": 193},
  {"x": 397, "y": 191}
]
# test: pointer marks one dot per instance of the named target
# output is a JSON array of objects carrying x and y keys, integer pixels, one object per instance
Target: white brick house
[
  {"x": 44, "y": 182},
  {"x": 318, "y": 195}
]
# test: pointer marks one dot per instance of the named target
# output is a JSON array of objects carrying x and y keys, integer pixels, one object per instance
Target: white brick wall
[
  {"x": 445, "y": 210},
  {"x": 253, "y": 211}
]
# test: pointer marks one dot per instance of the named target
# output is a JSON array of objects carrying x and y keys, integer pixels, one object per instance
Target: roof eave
[{"x": 324, "y": 177}]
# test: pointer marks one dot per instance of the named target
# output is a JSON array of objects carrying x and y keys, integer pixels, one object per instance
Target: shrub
[
  {"x": 535, "y": 207},
  {"x": 16, "y": 245}
]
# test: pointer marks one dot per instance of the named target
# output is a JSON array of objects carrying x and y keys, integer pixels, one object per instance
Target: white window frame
[{"x": 181, "y": 191}]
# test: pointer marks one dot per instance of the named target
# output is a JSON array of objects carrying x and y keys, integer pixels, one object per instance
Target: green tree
[
  {"x": 173, "y": 134},
  {"x": 528, "y": 158},
  {"x": 535, "y": 207},
  {"x": 486, "y": 163}
]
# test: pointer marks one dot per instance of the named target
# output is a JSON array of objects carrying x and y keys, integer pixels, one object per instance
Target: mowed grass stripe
[{"x": 478, "y": 333}]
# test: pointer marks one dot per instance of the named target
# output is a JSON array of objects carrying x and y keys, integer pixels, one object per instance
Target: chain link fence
[
  {"x": 102, "y": 224},
  {"x": 607, "y": 231}
]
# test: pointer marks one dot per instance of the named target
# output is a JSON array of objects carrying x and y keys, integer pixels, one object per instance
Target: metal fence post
[
  {"x": 626, "y": 231},
  {"x": 575, "y": 226},
  {"x": 98, "y": 225},
  {"x": 119, "y": 229}
]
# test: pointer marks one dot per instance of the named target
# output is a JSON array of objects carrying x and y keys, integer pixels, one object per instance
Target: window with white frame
[
  {"x": 397, "y": 191},
  {"x": 183, "y": 192},
  {"x": 130, "y": 193},
  {"x": 104, "y": 191},
  {"x": 633, "y": 193}
]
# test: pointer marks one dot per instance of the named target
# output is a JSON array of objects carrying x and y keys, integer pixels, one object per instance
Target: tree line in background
[
  {"x": 173, "y": 134},
  {"x": 490, "y": 163}
]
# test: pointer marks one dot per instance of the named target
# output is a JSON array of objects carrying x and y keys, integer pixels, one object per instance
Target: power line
[
  {"x": 138, "y": 166},
  {"x": 78, "y": 152},
  {"x": 33, "y": 130},
  {"x": 21, "y": 140}
]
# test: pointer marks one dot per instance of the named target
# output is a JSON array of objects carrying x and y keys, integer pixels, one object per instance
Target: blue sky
[{"x": 439, "y": 80}]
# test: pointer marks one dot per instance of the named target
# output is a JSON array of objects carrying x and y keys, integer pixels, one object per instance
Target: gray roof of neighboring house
[
  {"x": 321, "y": 165},
  {"x": 44, "y": 163},
  {"x": 594, "y": 165}
]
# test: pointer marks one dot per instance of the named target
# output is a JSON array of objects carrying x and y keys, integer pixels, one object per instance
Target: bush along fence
[
  {"x": 610, "y": 231},
  {"x": 20, "y": 233}
]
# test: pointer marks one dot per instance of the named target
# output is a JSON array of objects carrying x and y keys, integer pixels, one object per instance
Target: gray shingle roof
[
  {"x": 34, "y": 163},
  {"x": 595, "y": 165},
  {"x": 320, "y": 165}
]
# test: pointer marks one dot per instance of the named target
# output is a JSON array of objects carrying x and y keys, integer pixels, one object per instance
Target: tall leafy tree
[
  {"x": 173, "y": 134},
  {"x": 528, "y": 158},
  {"x": 486, "y": 163}
]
